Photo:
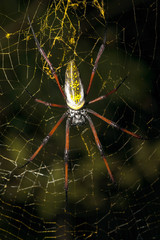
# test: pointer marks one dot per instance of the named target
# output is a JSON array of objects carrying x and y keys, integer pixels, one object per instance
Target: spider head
[{"x": 77, "y": 117}]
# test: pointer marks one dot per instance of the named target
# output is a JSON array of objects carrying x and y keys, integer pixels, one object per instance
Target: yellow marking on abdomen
[{"x": 73, "y": 87}]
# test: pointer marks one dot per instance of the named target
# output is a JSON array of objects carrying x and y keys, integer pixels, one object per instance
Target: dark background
[{"x": 32, "y": 204}]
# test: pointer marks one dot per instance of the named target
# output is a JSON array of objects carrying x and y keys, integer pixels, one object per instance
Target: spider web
[{"x": 32, "y": 198}]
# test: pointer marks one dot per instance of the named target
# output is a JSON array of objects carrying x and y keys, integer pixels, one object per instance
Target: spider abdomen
[{"x": 73, "y": 87}]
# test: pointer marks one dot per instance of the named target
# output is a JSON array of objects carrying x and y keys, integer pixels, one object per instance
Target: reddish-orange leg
[
  {"x": 99, "y": 146},
  {"x": 102, "y": 47},
  {"x": 77, "y": 116},
  {"x": 66, "y": 152},
  {"x": 46, "y": 59},
  {"x": 50, "y": 104},
  {"x": 106, "y": 95},
  {"x": 45, "y": 140},
  {"x": 113, "y": 124},
  {"x": 45, "y": 103}
]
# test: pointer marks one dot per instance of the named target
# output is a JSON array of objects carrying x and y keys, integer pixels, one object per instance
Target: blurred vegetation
[{"x": 131, "y": 51}]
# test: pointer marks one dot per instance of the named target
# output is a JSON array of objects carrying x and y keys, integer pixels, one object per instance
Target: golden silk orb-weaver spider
[{"x": 76, "y": 113}]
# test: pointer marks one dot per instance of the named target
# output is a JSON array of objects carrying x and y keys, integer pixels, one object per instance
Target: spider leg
[
  {"x": 45, "y": 140},
  {"x": 113, "y": 124},
  {"x": 50, "y": 104},
  {"x": 99, "y": 146},
  {"x": 102, "y": 47},
  {"x": 66, "y": 152},
  {"x": 45, "y": 103},
  {"x": 106, "y": 95},
  {"x": 46, "y": 59}
]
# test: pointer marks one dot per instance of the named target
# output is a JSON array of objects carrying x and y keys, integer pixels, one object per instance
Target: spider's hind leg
[
  {"x": 101, "y": 50},
  {"x": 42, "y": 52}
]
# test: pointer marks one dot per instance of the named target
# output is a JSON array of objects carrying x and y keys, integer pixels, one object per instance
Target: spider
[{"x": 76, "y": 113}]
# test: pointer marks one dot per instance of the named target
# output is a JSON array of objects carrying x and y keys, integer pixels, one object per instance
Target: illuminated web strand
[{"x": 46, "y": 59}]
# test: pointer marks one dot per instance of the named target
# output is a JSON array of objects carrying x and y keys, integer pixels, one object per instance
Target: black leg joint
[
  {"x": 66, "y": 156},
  {"x": 45, "y": 140},
  {"x": 101, "y": 149}
]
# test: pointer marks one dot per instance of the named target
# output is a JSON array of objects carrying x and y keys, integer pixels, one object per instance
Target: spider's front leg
[
  {"x": 45, "y": 140},
  {"x": 115, "y": 125},
  {"x": 99, "y": 146},
  {"x": 66, "y": 153}
]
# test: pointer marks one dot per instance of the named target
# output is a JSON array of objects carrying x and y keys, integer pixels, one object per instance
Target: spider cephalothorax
[
  {"x": 76, "y": 114},
  {"x": 77, "y": 117}
]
